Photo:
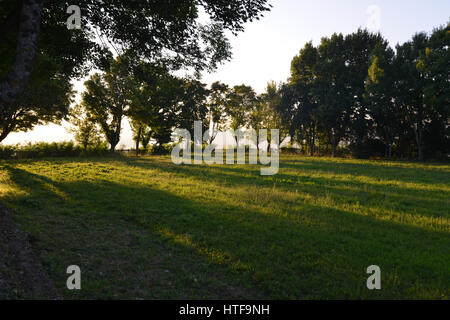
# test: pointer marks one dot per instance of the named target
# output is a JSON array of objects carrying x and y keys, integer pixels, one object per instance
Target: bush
[
  {"x": 99, "y": 148},
  {"x": 47, "y": 150},
  {"x": 370, "y": 148},
  {"x": 163, "y": 149},
  {"x": 44, "y": 149},
  {"x": 8, "y": 152},
  {"x": 290, "y": 150}
]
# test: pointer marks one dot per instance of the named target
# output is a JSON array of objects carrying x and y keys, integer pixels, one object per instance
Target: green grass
[{"x": 146, "y": 228}]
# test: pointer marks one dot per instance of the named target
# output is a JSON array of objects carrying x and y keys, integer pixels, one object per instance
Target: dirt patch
[{"x": 21, "y": 272}]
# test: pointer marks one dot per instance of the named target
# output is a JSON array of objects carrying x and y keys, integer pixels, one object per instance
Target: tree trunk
[
  {"x": 312, "y": 141},
  {"x": 20, "y": 71},
  {"x": 4, "y": 134},
  {"x": 113, "y": 147},
  {"x": 333, "y": 143},
  {"x": 257, "y": 143},
  {"x": 138, "y": 139},
  {"x": 418, "y": 131},
  {"x": 419, "y": 144}
]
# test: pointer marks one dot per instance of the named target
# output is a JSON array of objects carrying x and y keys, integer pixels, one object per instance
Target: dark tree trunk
[
  {"x": 312, "y": 141},
  {"x": 333, "y": 142},
  {"x": 114, "y": 141},
  {"x": 389, "y": 144},
  {"x": 138, "y": 139},
  {"x": 419, "y": 134},
  {"x": 333, "y": 147},
  {"x": 257, "y": 143},
  {"x": 113, "y": 147},
  {"x": 419, "y": 141},
  {"x": 19, "y": 73},
  {"x": 4, "y": 134}
]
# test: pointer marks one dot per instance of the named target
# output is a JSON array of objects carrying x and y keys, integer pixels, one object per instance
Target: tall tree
[
  {"x": 217, "y": 104},
  {"x": 358, "y": 55},
  {"x": 43, "y": 95},
  {"x": 409, "y": 62},
  {"x": 192, "y": 106},
  {"x": 156, "y": 102},
  {"x": 331, "y": 90},
  {"x": 383, "y": 108},
  {"x": 241, "y": 101},
  {"x": 107, "y": 98},
  {"x": 272, "y": 117},
  {"x": 436, "y": 70},
  {"x": 302, "y": 81}
]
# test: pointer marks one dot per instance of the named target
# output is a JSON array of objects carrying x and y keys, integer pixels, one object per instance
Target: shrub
[
  {"x": 163, "y": 149},
  {"x": 54, "y": 149},
  {"x": 8, "y": 152}
]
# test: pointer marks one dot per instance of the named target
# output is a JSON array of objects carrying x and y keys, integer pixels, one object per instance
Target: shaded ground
[{"x": 21, "y": 272}]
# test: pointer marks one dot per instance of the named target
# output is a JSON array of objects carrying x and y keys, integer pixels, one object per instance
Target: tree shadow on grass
[
  {"x": 220, "y": 249},
  {"x": 400, "y": 171},
  {"x": 411, "y": 200}
]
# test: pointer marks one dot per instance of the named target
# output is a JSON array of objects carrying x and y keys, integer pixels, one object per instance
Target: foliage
[
  {"x": 165, "y": 33},
  {"x": 107, "y": 98},
  {"x": 84, "y": 129},
  {"x": 355, "y": 91},
  {"x": 54, "y": 149}
]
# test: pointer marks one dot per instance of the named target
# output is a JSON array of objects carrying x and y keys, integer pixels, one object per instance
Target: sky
[{"x": 264, "y": 51}]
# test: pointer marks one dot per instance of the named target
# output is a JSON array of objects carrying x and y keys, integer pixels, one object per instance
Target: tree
[
  {"x": 436, "y": 69},
  {"x": 272, "y": 117},
  {"x": 258, "y": 117},
  {"x": 107, "y": 98},
  {"x": 411, "y": 86},
  {"x": 167, "y": 32},
  {"x": 330, "y": 89},
  {"x": 217, "y": 104},
  {"x": 45, "y": 100},
  {"x": 241, "y": 101},
  {"x": 305, "y": 124},
  {"x": 358, "y": 54},
  {"x": 44, "y": 95},
  {"x": 192, "y": 106},
  {"x": 84, "y": 129},
  {"x": 383, "y": 108},
  {"x": 157, "y": 102}
]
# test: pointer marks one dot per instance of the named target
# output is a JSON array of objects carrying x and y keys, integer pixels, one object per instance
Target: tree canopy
[{"x": 166, "y": 33}]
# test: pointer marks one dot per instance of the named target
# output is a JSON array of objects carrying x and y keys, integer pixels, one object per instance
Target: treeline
[
  {"x": 356, "y": 91},
  {"x": 157, "y": 102},
  {"x": 352, "y": 93},
  {"x": 40, "y": 56}
]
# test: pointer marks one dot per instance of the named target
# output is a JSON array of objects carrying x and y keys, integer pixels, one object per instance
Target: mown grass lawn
[{"x": 146, "y": 228}]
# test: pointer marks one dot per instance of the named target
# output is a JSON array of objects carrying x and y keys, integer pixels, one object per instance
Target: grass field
[{"x": 146, "y": 228}]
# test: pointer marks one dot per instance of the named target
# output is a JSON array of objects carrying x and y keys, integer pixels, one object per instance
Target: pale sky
[{"x": 264, "y": 51}]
